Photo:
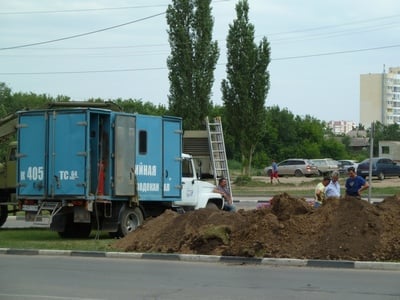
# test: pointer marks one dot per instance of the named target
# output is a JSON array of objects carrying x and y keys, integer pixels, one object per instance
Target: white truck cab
[{"x": 195, "y": 192}]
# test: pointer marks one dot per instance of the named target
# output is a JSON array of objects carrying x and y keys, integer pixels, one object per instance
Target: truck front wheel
[
  {"x": 3, "y": 214},
  {"x": 131, "y": 218},
  {"x": 212, "y": 205}
]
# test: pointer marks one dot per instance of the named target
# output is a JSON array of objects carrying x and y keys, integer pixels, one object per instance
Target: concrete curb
[{"x": 313, "y": 263}]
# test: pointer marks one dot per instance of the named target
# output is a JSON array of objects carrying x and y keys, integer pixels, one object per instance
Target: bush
[{"x": 242, "y": 180}]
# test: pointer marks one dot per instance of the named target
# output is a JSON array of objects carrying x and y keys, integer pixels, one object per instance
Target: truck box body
[
  {"x": 80, "y": 169},
  {"x": 86, "y": 153}
]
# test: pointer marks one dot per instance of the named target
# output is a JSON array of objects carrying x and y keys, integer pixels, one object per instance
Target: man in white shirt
[{"x": 332, "y": 190}]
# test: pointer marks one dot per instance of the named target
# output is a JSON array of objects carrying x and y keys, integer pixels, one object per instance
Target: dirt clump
[{"x": 346, "y": 229}]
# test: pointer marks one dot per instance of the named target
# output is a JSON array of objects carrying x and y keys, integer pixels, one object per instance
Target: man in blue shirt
[
  {"x": 274, "y": 171},
  {"x": 355, "y": 184}
]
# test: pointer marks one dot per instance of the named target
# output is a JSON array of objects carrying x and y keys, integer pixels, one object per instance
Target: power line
[
  {"x": 336, "y": 52},
  {"x": 82, "y": 34},
  {"x": 84, "y": 72},
  {"x": 333, "y": 26},
  {"x": 89, "y": 9},
  {"x": 80, "y": 10},
  {"x": 163, "y": 68}
]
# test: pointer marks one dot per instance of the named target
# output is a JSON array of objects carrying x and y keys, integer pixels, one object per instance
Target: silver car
[
  {"x": 294, "y": 167},
  {"x": 326, "y": 165}
]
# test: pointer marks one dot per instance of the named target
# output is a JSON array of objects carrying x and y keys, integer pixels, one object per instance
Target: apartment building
[
  {"x": 341, "y": 127},
  {"x": 380, "y": 97}
]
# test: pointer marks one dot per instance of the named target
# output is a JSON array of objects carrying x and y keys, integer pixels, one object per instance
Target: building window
[{"x": 385, "y": 149}]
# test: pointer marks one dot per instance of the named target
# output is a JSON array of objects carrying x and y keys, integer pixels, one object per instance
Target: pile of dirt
[{"x": 346, "y": 228}]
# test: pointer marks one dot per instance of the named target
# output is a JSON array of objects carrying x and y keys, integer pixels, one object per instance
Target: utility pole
[{"x": 371, "y": 154}]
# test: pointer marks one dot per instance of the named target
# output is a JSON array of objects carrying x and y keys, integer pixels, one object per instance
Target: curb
[{"x": 312, "y": 263}]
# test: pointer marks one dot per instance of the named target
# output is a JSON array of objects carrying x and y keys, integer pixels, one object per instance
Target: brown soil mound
[{"x": 346, "y": 228}]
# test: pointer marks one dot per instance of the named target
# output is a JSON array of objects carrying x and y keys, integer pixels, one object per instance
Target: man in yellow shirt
[{"x": 320, "y": 191}]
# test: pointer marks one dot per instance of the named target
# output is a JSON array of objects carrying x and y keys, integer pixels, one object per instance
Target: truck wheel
[
  {"x": 3, "y": 214},
  {"x": 75, "y": 230},
  {"x": 211, "y": 205},
  {"x": 131, "y": 218}
]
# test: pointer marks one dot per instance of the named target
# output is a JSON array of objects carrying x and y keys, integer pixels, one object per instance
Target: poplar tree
[
  {"x": 245, "y": 90},
  {"x": 192, "y": 60}
]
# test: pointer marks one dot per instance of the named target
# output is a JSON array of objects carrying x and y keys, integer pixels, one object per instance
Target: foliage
[
  {"x": 288, "y": 136},
  {"x": 247, "y": 84},
  {"x": 242, "y": 180},
  {"x": 192, "y": 61},
  {"x": 140, "y": 107}
]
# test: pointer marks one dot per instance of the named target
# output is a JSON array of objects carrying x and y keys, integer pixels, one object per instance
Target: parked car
[
  {"x": 294, "y": 167},
  {"x": 344, "y": 164},
  {"x": 326, "y": 165},
  {"x": 381, "y": 168}
]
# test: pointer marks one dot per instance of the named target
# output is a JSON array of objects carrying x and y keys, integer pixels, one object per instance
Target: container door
[
  {"x": 172, "y": 153},
  {"x": 67, "y": 153},
  {"x": 125, "y": 127},
  {"x": 31, "y": 153}
]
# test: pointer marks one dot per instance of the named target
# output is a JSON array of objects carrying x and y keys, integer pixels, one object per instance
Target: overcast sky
[{"x": 318, "y": 49}]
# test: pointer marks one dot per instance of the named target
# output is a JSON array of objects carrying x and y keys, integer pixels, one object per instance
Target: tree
[
  {"x": 247, "y": 84},
  {"x": 5, "y": 99},
  {"x": 192, "y": 61}
]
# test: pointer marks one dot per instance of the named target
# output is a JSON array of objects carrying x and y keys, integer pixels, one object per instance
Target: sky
[{"x": 118, "y": 49}]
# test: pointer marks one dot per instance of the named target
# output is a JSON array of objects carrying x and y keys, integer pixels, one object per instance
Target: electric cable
[{"x": 82, "y": 34}]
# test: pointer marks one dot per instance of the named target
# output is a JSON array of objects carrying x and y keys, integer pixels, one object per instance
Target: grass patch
[{"x": 43, "y": 238}]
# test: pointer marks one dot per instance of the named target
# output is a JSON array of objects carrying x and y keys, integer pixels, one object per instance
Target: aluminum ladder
[
  {"x": 217, "y": 151},
  {"x": 52, "y": 208}
]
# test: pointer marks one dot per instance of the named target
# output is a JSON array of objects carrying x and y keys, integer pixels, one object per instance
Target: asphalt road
[{"x": 25, "y": 277}]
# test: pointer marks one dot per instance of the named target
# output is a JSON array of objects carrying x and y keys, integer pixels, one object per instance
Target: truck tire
[
  {"x": 211, "y": 205},
  {"x": 130, "y": 219},
  {"x": 3, "y": 214},
  {"x": 75, "y": 230}
]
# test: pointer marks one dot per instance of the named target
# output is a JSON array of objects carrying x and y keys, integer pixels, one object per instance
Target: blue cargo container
[{"x": 97, "y": 168}]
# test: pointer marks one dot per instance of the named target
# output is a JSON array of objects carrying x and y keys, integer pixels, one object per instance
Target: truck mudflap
[{"x": 64, "y": 223}]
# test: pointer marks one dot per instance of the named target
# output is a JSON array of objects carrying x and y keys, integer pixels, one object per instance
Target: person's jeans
[{"x": 229, "y": 207}]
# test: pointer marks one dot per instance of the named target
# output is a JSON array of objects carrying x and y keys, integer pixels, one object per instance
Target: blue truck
[{"x": 81, "y": 169}]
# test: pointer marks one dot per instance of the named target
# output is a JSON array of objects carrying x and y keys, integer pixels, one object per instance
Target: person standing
[
  {"x": 332, "y": 190},
  {"x": 355, "y": 184},
  {"x": 319, "y": 194},
  {"x": 224, "y": 191},
  {"x": 274, "y": 172}
]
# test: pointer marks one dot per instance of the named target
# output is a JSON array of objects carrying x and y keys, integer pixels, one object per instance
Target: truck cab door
[{"x": 189, "y": 184}]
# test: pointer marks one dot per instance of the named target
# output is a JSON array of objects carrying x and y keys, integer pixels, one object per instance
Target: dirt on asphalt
[{"x": 346, "y": 229}]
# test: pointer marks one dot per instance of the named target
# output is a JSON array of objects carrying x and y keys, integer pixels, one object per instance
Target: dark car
[{"x": 381, "y": 168}]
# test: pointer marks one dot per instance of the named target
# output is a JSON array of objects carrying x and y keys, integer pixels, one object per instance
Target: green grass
[{"x": 43, "y": 238}]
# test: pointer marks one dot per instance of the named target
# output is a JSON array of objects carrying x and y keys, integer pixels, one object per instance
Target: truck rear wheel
[
  {"x": 75, "y": 230},
  {"x": 131, "y": 218},
  {"x": 3, "y": 214}
]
